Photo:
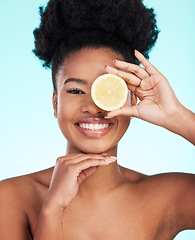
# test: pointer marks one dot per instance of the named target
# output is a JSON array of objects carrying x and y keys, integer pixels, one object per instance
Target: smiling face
[{"x": 80, "y": 120}]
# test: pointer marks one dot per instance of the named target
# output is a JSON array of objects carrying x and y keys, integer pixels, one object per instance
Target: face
[{"x": 80, "y": 120}]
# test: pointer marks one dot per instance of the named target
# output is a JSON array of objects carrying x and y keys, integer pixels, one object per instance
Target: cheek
[
  {"x": 67, "y": 108},
  {"x": 63, "y": 113},
  {"x": 64, "y": 110},
  {"x": 65, "y": 116},
  {"x": 124, "y": 122}
]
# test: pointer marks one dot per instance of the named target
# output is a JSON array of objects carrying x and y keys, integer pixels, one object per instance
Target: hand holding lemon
[{"x": 158, "y": 102}]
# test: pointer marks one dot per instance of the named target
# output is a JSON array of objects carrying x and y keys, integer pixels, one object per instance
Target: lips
[{"x": 94, "y": 127}]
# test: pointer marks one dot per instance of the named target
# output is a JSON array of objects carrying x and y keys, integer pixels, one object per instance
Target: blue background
[{"x": 30, "y": 139}]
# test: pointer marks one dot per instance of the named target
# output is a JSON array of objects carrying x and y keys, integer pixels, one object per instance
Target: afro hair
[{"x": 69, "y": 25}]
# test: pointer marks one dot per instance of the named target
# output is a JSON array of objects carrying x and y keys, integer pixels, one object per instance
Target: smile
[
  {"x": 94, "y": 127},
  {"x": 91, "y": 126}
]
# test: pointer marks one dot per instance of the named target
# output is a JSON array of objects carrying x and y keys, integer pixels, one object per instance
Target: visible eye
[{"x": 75, "y": 91}]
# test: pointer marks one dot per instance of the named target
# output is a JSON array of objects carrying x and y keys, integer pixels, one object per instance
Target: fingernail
[
  {"x": 104, "y": 154},
  {"x": 108, "y": 117},
  {"x": 108, "y": 160},
  {"x": 136, "y": 51},
  {"x": 113, "y": 157}
]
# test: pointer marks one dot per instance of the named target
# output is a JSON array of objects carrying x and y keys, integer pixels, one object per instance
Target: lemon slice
[{"x": 109, "y": 92}]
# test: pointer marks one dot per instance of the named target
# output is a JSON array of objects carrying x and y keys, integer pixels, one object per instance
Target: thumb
[{"x": 132, "y": 111}]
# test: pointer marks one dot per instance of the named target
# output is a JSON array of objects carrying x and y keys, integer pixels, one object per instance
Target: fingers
[
  {"x": 137, "y": 70},
  {"x": 70, "y": 156},
  {"x": 70, "y": 171},
  {"x": 91, "y": 159},
  {"x": 83, "y": 166},
  {"x": 128, "y": 77},
  {"x": 148, "y": 66},
  {"x": 91, "y": 162},
  {"x": 137, "y": 78}
]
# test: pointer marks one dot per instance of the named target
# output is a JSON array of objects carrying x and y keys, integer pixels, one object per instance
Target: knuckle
[
  {"x": 62, "y": 159},
  {"x": 94, "y": 156},
  {"x": 58, "y": 160},
  {"x": 89, "y": 161},
  {"x": 139, "y": 71},
  {"x": 139, "y": 92},
  {"x": 126, "y": 76},
  {"x": 69, "y": 168},
  {"x": 126, "y": 67},
  {"x": 135, "y": 80},
  {"x": 66, "y": 164},
  {"x": 91, "y": 157},
  {"x": 136, "y": 70}
]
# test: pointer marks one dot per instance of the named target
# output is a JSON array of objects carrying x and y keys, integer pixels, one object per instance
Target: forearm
[
  {"x": 49, "y": 225},
  {"x": 183, "y": 124}
]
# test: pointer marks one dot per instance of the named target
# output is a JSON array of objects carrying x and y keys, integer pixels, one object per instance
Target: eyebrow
[{"x": 77, "y": 80}]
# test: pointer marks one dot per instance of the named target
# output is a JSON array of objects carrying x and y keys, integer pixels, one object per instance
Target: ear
[
  {"x": 133, "y": 99},
  {"x": 55, "y": 104}
]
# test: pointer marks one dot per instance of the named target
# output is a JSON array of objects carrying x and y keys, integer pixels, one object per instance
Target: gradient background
[{"x": 30, "y": 139}]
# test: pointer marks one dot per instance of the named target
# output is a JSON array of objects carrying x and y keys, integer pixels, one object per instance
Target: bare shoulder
[
  {"x": 20, "y": 197},
  {"x": 174, "y": 184},
  {"x": 169, "y": 195},
  {"x": 14, "y": 190},
  {"x": 178, "y": 192},
  {"x": 178, "y": 186},
  {"x": 21, "y": 187},
  {"x": 13, "y": 219},
  {"x": 173, "y": 194}
]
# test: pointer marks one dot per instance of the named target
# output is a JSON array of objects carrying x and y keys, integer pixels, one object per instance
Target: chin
[{"x": 95, "y": 148}]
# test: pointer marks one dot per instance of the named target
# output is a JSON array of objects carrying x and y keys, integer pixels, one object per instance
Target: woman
[{"x": 88, "y": 195}]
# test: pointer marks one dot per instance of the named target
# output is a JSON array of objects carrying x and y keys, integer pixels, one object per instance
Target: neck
[{"x": 103, "y": 180}]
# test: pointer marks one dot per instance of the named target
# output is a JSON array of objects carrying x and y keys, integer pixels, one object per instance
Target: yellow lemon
[{"x": 109, "y": 92}]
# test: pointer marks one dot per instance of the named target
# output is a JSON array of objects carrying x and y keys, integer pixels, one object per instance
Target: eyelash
[{"x": 75, "y": 91}]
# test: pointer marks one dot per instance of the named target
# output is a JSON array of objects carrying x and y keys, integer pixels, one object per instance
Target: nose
[{"x": 88, "y": 106}]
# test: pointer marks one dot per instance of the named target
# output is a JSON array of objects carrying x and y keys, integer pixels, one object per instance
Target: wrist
[
  {"x": 182, "y": 122},
  {"x": 173, "y": 119},
  {"x": 50, "y": 208},
  {"x": 50, "y": 223}
]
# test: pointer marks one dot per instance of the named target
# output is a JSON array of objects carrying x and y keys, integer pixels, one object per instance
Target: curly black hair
[{"x": 69, "y": 25}]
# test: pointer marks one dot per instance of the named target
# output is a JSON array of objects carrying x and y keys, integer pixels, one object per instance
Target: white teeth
[{"x": 92, "y": 126}]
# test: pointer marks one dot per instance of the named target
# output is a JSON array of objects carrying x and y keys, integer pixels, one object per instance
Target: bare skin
[{"x": 88, "y": 195}]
